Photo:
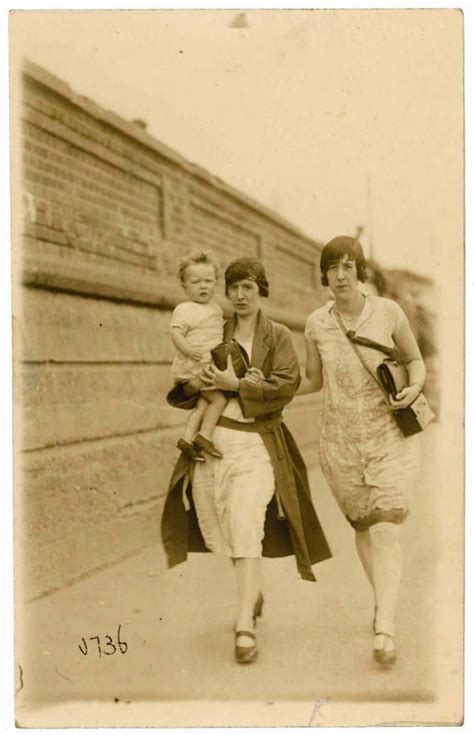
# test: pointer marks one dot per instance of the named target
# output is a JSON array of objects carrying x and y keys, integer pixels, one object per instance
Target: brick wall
[{"x": 107, "y": 210}]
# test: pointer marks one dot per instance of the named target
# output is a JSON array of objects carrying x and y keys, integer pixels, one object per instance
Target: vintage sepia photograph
[{"x": 238, "y": 367}]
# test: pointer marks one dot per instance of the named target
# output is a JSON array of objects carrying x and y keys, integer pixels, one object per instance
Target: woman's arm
[
  {"x": 259, "y": 396},
  {"x": 411, "y": 355},
  {"x": 313, "y": 380},
  {"x": 280, "y": 385}
]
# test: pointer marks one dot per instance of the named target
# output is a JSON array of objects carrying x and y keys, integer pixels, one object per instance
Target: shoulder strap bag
[{"x": 392, "y": 377}]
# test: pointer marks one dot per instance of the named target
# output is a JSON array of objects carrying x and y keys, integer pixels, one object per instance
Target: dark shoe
[
  {"x": 207, "y": 446},
  {"x": 383, "y": 656},
  {"x": 190, "y": 451},
  {"x": 244, "y": 654},
  {"x": 258, "y": 607}
]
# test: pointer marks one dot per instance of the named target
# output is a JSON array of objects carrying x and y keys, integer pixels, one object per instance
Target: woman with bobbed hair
[
  {"x": 255, "y": 501},
  {"x": 368, "y": 463}
]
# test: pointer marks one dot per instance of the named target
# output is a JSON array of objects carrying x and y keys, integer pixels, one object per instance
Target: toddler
[{"x": 196, "y": 328}]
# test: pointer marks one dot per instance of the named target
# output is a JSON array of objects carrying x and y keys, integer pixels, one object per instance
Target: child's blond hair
[{"x": 197, "y": 257}]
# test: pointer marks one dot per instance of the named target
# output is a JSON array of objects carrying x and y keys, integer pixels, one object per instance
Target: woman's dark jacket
[{"x": 300, "y": 532}]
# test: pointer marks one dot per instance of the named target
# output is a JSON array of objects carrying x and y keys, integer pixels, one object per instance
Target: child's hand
[{"x": 195, "y": 355}]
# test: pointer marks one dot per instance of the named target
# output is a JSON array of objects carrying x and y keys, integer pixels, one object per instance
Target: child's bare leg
[
  {"x": 193, "y": 386},
  {"x": 216, "y": 403},
  {"x": 213, "y": 412},
  {"x": 194, "y": 420}
]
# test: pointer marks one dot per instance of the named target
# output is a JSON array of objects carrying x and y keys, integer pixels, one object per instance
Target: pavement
[{"x": 177, "y": 643}]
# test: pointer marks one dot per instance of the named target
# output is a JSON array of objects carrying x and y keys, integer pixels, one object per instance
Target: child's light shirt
[{"x": 202, "y": 325}]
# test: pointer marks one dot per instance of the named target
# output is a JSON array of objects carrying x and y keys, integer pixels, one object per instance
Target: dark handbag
[
  {"x": 392, "y": 377},
  {"x": 179, "y": 397},
  {"x": 415, "y": 417},
  {"x": 418, "y": 415},
  {"x": 240, "y": 359}
]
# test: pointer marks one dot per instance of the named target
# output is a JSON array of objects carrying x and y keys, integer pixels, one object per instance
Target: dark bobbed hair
[
  {"x": 250, "y": 268},
  {"x": 336, "y": 249}
]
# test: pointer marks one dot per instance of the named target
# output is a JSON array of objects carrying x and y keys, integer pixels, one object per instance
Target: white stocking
[{"x": 387, "y": 568}]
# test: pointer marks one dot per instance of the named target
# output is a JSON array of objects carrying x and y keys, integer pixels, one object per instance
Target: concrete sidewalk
[{"x": 314, "y": 639}]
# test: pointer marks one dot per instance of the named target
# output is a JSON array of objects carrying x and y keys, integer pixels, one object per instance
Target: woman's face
[
  {"x": 342, "y": 277},
  {"x": 244, "y": 297}
]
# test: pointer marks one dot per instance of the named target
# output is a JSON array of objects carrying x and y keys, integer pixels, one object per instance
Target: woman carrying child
[{"x": 256, "y": 500}]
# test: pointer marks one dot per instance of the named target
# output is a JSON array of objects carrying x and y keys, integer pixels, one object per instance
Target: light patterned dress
[{"x": 369, "y": 465}]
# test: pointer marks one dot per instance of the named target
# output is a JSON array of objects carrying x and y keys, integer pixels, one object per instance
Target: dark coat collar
[{"x": 261, "y": 338}]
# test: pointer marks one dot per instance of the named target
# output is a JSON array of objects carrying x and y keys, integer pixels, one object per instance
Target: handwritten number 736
[{"x": 108, "y": 648}]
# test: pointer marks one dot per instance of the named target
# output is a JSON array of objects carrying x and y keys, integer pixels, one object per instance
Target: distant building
[{"x": 418, "y": 297}]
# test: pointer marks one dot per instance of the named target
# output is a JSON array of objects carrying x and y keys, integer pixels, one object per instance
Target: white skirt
[{"x": 231, "y": 495}]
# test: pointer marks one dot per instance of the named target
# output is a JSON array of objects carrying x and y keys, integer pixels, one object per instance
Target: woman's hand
[
  {"x": 215, "y": 379},
  {"x": 254, "y": 376},
  {"x": 405, "y": 397},
  {"x": 206, "y": 378}
]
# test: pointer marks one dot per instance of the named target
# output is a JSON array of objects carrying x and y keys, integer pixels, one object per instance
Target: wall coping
[{"x": 52, "y": 273}]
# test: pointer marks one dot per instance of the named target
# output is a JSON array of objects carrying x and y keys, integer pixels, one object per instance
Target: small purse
[
  {"x": 240, "y": 359},
  {"x": 392, "y": 377},
  {"x": 418, "y": 415}
]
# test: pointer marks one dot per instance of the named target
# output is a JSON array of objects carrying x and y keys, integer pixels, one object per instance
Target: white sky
[
  {"x": 334, "y": 119},
  {"x": 323, "y": 191}
]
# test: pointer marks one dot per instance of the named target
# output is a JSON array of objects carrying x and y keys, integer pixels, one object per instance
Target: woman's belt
[{"x": 261, "y": 426}]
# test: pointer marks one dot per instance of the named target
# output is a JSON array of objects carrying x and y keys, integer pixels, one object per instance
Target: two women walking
[{"x": 254, "y": 500}]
